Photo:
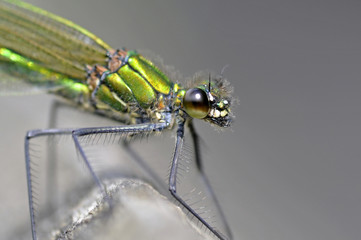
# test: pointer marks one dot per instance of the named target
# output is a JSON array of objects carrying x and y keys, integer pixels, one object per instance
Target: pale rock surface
[{"x": 138, "y": 212}]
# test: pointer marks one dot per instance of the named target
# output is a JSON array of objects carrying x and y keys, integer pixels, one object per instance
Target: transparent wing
[
  {"x": 49, "y": 40},
  {"x": 17, "y": 80}
]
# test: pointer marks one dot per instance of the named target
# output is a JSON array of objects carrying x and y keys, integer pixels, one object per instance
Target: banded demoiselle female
[{"x": 40, "y": 51}]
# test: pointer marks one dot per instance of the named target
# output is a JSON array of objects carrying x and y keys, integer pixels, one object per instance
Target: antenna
[
  {"x": 223, "y": 69},
  {"x": 209, "y": 83}
]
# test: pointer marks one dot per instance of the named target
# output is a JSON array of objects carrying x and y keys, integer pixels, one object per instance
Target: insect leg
[
  {"x": 29, "y": 175},
  {"x": 125, "y": 129},
  {"x": 199, "y": 164},
  {"x": 173, "y": 180},
  {"x": 76, "y": 134}
]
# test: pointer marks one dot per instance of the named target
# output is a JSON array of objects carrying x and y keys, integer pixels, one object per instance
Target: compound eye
[{"x": 196, "y": 103}]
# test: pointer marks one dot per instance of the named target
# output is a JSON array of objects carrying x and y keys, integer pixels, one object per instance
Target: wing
[{"x": 46, "y": 40}]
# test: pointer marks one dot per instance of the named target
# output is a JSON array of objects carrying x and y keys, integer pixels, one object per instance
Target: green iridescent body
[
  {"x": 136, "y": 86},
  {"x": 51, "y": 53},
  {"x": 42, "y": 52}
]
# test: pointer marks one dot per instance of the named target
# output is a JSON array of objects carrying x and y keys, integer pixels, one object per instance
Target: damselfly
[{"x": 40, "y": 51}]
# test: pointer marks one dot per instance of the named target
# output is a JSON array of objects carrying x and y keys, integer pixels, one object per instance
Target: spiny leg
[
  {"x": 199, "y": 164},
  {"x": 52, "y": 132},
  {"x": 76, "y": 134},
  {"x": 52, "y": 163},
  {"x": 125, "y": 129},
  {"x": 174, "y": 172},
  {"x": 51, "y": 173},
  {"x": 29, "y": 168}
]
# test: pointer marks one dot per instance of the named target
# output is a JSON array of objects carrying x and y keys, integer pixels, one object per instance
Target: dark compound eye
[{"x": 196, "y": 103}]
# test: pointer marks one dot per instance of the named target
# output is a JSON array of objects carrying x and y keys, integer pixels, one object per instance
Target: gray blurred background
[{"x": 290, "y": 167}]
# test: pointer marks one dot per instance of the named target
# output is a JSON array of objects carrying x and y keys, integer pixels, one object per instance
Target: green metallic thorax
[{"x": 136, "y": 83}]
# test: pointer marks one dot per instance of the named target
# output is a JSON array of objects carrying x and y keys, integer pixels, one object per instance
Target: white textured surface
[{"x": 138, "y": 212}]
